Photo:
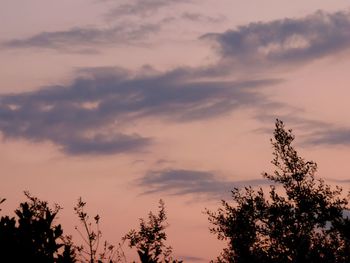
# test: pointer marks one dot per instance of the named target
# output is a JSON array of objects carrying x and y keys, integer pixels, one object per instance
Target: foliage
[
  {"x": 150, "y": 239},
  {"x": 301, "y": 220},
  {"x": 1, "y": 201},
  {"x": 32, "y": 235},
  {"x": 92, "y": 238}
]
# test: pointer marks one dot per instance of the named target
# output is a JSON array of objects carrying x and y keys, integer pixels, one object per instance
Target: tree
[
  {"x": 1, "y": 201},
  {"x": 92, "y": 237},
  {"x": 150, "y": 239},
  {"x": 33, "y": 236},
  {"x": 301, "y": 220}
]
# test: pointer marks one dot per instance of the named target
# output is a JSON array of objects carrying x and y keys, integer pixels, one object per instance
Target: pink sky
[{"x": 126, "y": 102}]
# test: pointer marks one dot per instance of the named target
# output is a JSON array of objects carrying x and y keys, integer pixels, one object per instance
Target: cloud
[
  {"x": 313, "y": 132},
  {"x": 192, "y": 258},
  {"x": 90, "y": 115},
  {"x": 184, "y": 182},
  {"x": 335, "y": 136},
  {"x": 86, "y": 39},
  {"x": 197, "y": 17},
  {"x": 292, "y": 116},
  {"x": 341, "y": 181},
  {"x": 284, "y": 42},
  {"x": 101, "y": 143},
  {"x": 141, "y": 8}
]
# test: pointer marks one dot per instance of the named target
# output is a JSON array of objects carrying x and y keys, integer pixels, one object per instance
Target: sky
[{"x": 124, "y": 103}]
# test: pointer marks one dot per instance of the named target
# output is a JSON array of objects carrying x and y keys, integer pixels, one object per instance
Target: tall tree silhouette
[
  {"x": 150, "y": 239},
  {"x": 32, "y": 236},
  {"x": 300, "y": 220}
]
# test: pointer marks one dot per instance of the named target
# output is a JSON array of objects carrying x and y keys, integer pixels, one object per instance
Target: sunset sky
[{"x": 125, "y": 102}]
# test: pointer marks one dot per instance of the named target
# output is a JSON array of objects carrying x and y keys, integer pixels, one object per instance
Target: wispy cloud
[
  {"x": 314, "y": 132},
  {"x": 291, "y": 115},
  {"x": 198, "y": 17},
  {"x": 284, "y": 42},
  {"x": 86, "y": 39},
  {"x": 124, "y": 30},
  {"x": 335, "y": 136},
  {"x": 192, "y": 259},
  {"x": 87, "y": 116},
  {"x": 141, "y": 8},
  {"x": 184, "y": 182},
  {"x": 340, "y": 181}
]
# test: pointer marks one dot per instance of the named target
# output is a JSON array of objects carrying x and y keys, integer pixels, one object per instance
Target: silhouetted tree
[
  {"x": 301, "y": 220},
  {"x": 32, "y": 236},
  {"x": 149, "y": 240},
  {"x": 1, "y": 201},
  {"x": 92, "y": 237}
]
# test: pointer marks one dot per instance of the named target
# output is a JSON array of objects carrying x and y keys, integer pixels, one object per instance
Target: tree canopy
[
  {"x": 150, "y": 239},
  {"x": 32, "y": 235},
  {"x": 301, "y": 219}
]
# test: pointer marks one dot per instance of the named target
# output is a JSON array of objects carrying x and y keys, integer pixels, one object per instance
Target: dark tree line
[
  {"x": 300, "y": 219},
  {"x": 32, "y": 236}
]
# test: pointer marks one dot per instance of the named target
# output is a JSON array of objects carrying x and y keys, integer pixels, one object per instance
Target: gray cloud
[
  {"x": 294, "y": 117},
  {"x": 102, "y": 144},
  {"x": 313, "y": 132},
  {"x": 88, "y": 115},
  {"x": 197, "y": 17},
  {"x": 340, "y": 181},
  {"x": 336, "y": 136},
  {"x": 284, "y": 42},
  {"x": 86, "y": 39},
  {"x": 141, "y": 8},
  {"x": 183, "y": 182},
  {"x": 191, "y": 259}
]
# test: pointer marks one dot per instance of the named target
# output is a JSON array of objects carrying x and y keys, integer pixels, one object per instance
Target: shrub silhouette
[
  {"x": 301, "y": 220},
  {"x": 149, "y": 239},
  {"x": 90, "y": 251},
  {"x": 32, "y": 235}
]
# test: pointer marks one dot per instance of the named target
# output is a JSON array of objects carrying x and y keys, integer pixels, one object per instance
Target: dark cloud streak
[
  {"x": 141, "y": 8},
  {"x": 197, "y": 17},
  {"x": 314, "y": 132},
  {"x": 330, "y": 136},
  {"x": 185, "y": 182},
  {"x": 87, "y": 116},
  {"x": 85, "y": 39}
]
